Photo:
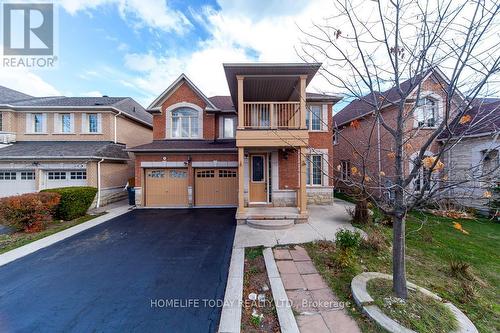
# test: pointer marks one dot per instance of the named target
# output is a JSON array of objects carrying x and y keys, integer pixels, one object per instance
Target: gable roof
[
  {"x": 156, "y": 104},
  {"x": 364, "y": 105},
  {"x": 126, "y": 105},
  {"x": 485, "y": 120},
  {"x": 7, "y": 95}
]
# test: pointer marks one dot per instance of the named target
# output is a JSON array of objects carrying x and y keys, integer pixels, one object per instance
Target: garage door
[
  {"x": 64, "y": 178},
  {"x": 216, "y": 187},
  {"x": 166, "y": 187},
  {"x": 16, "y": 182}
]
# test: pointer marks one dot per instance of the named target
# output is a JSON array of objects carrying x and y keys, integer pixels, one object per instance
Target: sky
[{"x": 137, "y": 48}]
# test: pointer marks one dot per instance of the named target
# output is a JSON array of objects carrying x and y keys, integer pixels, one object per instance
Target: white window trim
[
  {"x": 85, "y": 126},
  {"x": 420, "y": 171},
  {"x": 168, "y": 115},
  {"x": 439, "y": 105},
  {"x": 325, "y": 169},
  {"x": 345, "y": 176},
  {"x": 30, "y": 123},
  {"x": 221, "y": 126},
  {"x": 58, "y": 124},
  {"x": 324, "y": 117}
]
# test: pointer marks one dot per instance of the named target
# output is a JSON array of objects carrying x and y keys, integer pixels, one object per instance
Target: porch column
[
  {"x": 241, "y": 179},
  {"x": 241, "y": 110},
  {"x": 302, "y": 97},
  {"x": 302, "y": 191}
]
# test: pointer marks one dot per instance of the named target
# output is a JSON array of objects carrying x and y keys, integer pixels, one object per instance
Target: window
[
  {"x": 490, "y": 164},
  {"x": 227, "y": 174},
  {"x": 228, "y": 128},
  {"x": 178, "y": 174},
  {"x": 314, "y": 170},
  {"x": 78, "y": 175},
  {"x": 205, "y": 174},
  {"x": 335, "y": 137},
  {"x": 423, "y": 180},
  {"x": 1, "y": 122},
  {"x": 345, "y": 170},
  {"x": 7, "y": 175},
  {"x": 93, "y": 123},
  {"x": 156, "y": 174},
  {"x": 185, "y": 123},
  {"x": 257, "y": 168},
  {"x": 37, "y": 122},
  {"x": 57, "y": 175},
  {"x": 27, "y": 175},
  {"x": 314, "y": 117},
  {"x": 65, "y": 119},
  {"x": 426, "y": 113}
]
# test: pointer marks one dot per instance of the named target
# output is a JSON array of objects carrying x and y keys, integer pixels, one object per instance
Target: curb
[
  {"x": 230, "y": 319},
  {"x": 32, "y": 247},
  {"x": 288, "y": 324}
]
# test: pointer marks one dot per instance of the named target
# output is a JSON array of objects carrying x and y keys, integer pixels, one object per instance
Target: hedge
[
  {"x": 75, "y": 201},
  {"x": 29, "y": 212}
]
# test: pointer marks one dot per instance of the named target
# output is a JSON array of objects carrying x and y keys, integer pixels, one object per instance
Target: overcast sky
[{"x": 138, "y": 47}]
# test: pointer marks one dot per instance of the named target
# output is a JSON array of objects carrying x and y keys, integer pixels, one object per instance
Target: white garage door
[
  {"x": 64, "y": 178},
  {"x": 13, "y": 182}
]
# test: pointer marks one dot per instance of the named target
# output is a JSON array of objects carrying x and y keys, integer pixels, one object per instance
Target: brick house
[
  {"x": 268, "y": 144},
  {"x": 48, "y": 142},
  {"x": 358, "y": 131}
]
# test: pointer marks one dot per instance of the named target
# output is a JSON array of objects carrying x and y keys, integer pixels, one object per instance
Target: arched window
[
  {"x": 426, "y": 112},
  {"x": 185, "y": 123}
]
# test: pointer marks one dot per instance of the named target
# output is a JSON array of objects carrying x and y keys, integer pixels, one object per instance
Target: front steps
[{"x": 270, "y": 224}]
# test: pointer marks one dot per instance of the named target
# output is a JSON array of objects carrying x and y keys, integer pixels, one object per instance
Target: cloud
[
  {"x": 24, "y": 81},
  {"x": 156, "y": 14}
]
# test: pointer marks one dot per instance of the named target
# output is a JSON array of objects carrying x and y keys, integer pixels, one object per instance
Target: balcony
[{"x": 271, "y": 115}]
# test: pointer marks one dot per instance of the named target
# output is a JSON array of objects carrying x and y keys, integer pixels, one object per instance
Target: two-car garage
[{"x": 170, "y": 187}]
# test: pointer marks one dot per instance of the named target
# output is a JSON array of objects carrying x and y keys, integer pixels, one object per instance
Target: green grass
[
  {"x": 17, "y": 239},
  {"x": 253, "y": 252},
  {"x": 432, "y": 242},
  {"x": 419, "y": 313},
  {"x": 343, "y": 196}
]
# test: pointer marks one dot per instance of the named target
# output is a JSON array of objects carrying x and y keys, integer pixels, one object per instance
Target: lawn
[
  {"x": 432, "y": 243},
  {"x": 17, "y": 239}
]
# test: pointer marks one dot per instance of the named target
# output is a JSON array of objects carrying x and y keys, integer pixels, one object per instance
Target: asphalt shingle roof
[
  {"x": 7, "y": 94},
  {"x": 186, "y": 145},
  {"x": 64, "y": 149}
]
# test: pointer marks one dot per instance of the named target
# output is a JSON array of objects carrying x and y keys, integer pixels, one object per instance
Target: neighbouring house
[
  {"x": 268, "y": 144},
  {"x": 474, "y": 155},
  {"x": 357, "y": 131},
  {"x": 49, "y": 142}
]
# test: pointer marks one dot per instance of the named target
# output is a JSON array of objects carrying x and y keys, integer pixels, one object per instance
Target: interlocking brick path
[{"x": 316, "y": 307}]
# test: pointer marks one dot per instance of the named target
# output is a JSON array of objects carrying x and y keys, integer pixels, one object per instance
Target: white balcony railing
[
  {"x": 7, "y": 137},
  {"x": 267, "y": 115}
]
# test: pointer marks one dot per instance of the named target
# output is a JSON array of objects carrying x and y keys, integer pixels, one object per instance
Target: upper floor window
[
  {"x": 38, "y": 122},
  {"x": 1, "y": 122},
  {"x": 228, "y": 127},
  {"x": 65, "y": 123},
  {"x": 93, "y": 123},
  {"x": 185, "y": 123},
  {"x": 314, "y": 118},
  {"x": 426, "y": 112}
]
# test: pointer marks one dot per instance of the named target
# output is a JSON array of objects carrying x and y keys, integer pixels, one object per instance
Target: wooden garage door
[
  {"x": 166, "y": 187},
  {"x": 216, "y": 187}
]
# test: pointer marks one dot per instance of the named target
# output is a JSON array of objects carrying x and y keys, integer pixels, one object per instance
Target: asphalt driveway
[{"x": 145, "y": 271}]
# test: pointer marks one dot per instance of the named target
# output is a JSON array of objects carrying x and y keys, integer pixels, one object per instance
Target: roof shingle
[{"x": 187, "y": 145}]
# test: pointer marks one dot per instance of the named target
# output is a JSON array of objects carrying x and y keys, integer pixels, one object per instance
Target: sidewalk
[{"x": 317, "y": 309}]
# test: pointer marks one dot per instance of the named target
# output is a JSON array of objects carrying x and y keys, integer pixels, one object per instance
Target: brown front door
[
  {"x": 258, "y": 178},
  {"x": 216, "y": 187},
  {"x": 166, "y": 188}
]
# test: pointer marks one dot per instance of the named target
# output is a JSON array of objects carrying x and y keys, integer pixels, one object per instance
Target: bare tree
[{"x": 370, "y": 46}]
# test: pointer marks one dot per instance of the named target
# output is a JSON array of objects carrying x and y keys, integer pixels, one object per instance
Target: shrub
[
  {"x": 460, "y": 268},
  {"x": 346, "y": 239},
  {"x": 344, "y": 258},
  {"x": 75, "y": 201},
  {"x": 29, "y": 212},
  {"x": 375, "y": 240}
]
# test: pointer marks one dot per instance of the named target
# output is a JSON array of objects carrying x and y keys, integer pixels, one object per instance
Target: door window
[{"x": 257, "y": 168}]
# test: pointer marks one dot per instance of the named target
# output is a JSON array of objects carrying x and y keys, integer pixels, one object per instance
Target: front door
[{"x": 258, "y": 179}]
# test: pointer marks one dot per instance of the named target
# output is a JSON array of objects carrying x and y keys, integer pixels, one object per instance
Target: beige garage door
[
  {"x": 216, "y": 187},
  {"x": 166, "y": 187}
]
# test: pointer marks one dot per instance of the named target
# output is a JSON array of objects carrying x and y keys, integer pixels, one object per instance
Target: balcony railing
[{"x": 267, "y": 115}]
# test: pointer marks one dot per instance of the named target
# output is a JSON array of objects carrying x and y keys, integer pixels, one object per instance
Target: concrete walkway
[
  {"x": 318, "y": 309},
  {"x": 324, "y": 222}
]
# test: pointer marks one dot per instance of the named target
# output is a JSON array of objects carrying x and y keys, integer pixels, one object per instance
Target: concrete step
[{"x": 270, "y": 224}]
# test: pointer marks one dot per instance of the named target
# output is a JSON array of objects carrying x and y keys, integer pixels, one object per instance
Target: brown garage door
[
  {"x": 216, "y": 187},
  {"x": 166, "y": 187}
]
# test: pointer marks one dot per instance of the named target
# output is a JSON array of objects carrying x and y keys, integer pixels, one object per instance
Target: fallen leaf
[
  {"x": 465, "y": 119},
  {"x": 355, "y": 123}
]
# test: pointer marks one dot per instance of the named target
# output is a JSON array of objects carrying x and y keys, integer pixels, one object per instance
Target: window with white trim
[
  {"x": 490, "y": 164},
  {"x": 78, "y": 175},
  {"x": 335, "y": 137},
  {"x": 345, "y": 170},
  {"x": 7, "y": 175},
  {"x": 314, "y": 117},
  {"x": 57, "y": 175},
  {"x": 423, "y": 180},
  {"x": 228, "y": 127},
  {"x": 37, "y": 119},
  {"x": 65, "y": 122},
  {"x": 185, "y": 123},
  {"x": 27, "y": 175},
  {"x": 426, "y": 113},
  {"x": 93, "y": 123},
  {"x": 314, "y": 170}
]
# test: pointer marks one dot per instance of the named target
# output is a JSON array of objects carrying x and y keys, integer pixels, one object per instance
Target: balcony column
[
  {"x": 302, "y": 195},
  {"x": 302, "y": 97},
  {"x": 241, "y": 180},
  {"x": 241, "y": 109}
]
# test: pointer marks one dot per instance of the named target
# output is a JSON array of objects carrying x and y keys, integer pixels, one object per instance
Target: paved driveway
[{"x": 121, "y": 275}]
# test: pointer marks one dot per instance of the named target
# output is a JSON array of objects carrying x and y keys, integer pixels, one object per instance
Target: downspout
[
  {"x": 98, "y": 204},
  {"x": 116, "y": 115}
]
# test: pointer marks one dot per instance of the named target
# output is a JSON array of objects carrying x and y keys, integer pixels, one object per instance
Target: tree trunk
[{"x": 398, "y": 257}]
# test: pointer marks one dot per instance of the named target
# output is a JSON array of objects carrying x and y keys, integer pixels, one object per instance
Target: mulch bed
[{"x": 255, "y": 281}]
